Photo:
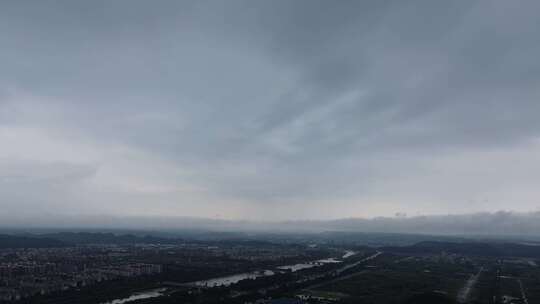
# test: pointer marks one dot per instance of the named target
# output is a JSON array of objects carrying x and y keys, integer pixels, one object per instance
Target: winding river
[{"x": 231, "y": 279}]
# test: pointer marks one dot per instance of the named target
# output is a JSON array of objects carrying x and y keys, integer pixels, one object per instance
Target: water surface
[{"x": 154, "y": 293}]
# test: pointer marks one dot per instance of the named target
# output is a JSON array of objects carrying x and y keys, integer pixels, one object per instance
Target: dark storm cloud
[{"x": 372, "y": 106}]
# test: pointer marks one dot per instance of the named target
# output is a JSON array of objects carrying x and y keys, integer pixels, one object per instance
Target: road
[
  {"x": 464, "y": 293},
  {"x": 342, "y": 269},
  {"x": 349, "y": 266},
  {"x": 523, "y": 295}
]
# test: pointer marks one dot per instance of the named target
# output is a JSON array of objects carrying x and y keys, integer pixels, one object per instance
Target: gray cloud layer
[
  {"x": 497, "y": 224},
  {"x": 269, "y": 109}
]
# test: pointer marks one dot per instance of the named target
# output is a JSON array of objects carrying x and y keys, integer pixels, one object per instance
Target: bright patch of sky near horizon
[{"x": 269, "y": 109}]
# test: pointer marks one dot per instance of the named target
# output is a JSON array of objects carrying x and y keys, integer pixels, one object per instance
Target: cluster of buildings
[{"x": 29, "y": 272}]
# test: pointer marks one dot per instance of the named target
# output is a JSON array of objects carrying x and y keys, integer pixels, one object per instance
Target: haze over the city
[{"x": 270, "y": 111}]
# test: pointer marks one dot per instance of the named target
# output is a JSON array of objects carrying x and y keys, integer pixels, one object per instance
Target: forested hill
[
  {"x": 495, "y": 249},
  {"x": 64, "y": 239},
  {"x": 12, "y": 241},
  {"x": 83, "y": 238}
]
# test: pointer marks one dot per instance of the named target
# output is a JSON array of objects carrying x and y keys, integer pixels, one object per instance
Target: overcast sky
[{"x": 269, "y": 109}]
